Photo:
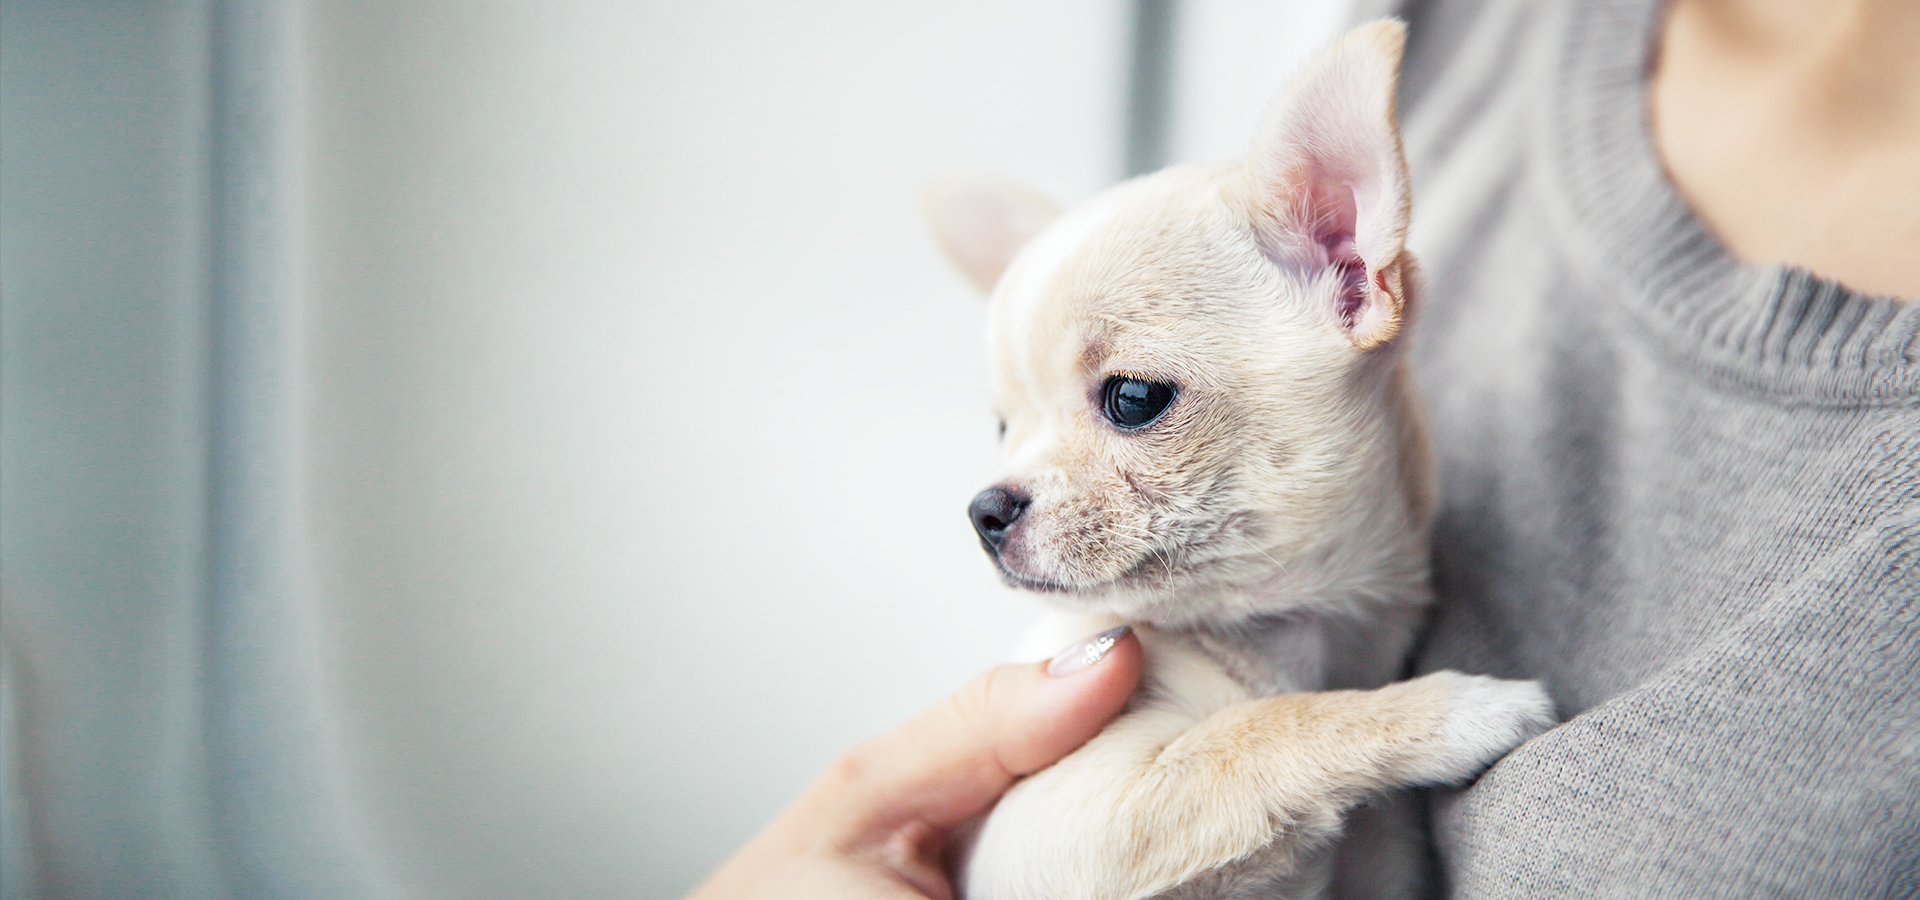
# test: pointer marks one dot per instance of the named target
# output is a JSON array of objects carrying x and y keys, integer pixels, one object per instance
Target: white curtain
[{"x": 163, "y": 724}]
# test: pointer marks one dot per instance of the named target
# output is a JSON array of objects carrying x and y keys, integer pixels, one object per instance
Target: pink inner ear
[{"x": 1335, "y": 217}]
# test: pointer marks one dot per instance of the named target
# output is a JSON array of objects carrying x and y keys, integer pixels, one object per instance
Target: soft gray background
[{"x": 627, "y": 416}]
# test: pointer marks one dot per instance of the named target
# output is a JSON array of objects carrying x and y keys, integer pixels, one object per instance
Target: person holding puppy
[{"x": 1676, "y": 397}]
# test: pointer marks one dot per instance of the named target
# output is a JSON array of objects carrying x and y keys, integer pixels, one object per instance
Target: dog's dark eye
[
  {"x": 1133, "y": 403},
  {"x": 1003, "y": 429}
]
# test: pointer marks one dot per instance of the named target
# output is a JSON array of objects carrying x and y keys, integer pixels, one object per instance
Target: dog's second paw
[{"x": 1483, "y": 719}]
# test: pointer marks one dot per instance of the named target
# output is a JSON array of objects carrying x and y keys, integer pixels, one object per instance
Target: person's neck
[{"x": 1793, "y": 127}]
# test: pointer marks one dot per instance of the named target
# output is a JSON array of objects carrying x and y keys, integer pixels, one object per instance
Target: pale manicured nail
[{"x": 1087, "y": 652}]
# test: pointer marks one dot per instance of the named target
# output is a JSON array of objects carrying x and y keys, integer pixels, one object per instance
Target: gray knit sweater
[{"x": 1683, "y": 492}]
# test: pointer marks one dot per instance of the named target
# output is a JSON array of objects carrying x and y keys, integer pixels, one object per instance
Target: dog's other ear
[
  {"x": 981, "y": 223},
  {"x": 1329, "y": 181}
]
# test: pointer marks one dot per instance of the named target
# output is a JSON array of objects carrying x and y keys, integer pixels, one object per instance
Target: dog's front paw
[{"x": 1482, "y": 718}]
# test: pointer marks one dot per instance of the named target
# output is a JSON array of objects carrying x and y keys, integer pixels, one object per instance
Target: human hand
[{"x": 876, "y": 824}]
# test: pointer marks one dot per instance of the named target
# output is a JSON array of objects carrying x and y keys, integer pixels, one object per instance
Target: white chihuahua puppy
[{"x": 1209, "y": 433}]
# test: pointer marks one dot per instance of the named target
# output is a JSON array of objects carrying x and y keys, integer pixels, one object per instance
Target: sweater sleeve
[{"x": 1781, "y": 759}]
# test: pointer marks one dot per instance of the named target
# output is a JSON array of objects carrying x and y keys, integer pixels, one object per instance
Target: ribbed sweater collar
[{"x": 1775, "y": 329}]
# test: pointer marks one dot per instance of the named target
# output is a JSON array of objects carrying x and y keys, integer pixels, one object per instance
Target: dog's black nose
[{"x": 993, "y": 511}]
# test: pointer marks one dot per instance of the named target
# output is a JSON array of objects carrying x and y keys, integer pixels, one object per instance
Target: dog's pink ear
[
  {"x": 981, "y": 223},
  {"x": 1329, "y": 181}
]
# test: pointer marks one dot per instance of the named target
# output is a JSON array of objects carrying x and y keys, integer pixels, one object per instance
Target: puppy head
[{"x": 1193, "y": 369}]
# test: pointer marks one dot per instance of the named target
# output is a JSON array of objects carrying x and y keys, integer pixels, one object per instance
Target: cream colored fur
[{"x": 1267, "y": 534}]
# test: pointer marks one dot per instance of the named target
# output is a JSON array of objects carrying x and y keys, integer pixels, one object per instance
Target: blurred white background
[{"x": 633, "y": 417}]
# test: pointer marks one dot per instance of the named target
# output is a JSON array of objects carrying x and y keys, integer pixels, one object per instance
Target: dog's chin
[
  {"x": 1027, "y": 582},
  {"x": 1171, "y": 587},
  {"x": 1117, "y": 597},
  {"x": 1035, "y": 584},
  {"x": 1135, "y": 579}
]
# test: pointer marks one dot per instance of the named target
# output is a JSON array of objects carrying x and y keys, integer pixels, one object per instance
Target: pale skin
[{"x": 1793, "y": 129}]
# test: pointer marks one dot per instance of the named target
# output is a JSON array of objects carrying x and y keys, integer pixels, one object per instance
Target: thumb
[{"x": 955, "y": 759}]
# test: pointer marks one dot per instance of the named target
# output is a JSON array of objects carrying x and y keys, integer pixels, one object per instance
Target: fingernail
[{"x": 1087, "y": 652}]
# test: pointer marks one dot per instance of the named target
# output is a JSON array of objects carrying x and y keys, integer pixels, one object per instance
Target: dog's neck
[
  {"x": 1346, "y": 618},
  {"x": 1343, "y": 620},
  {"x": 1314, "y": 648}
]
